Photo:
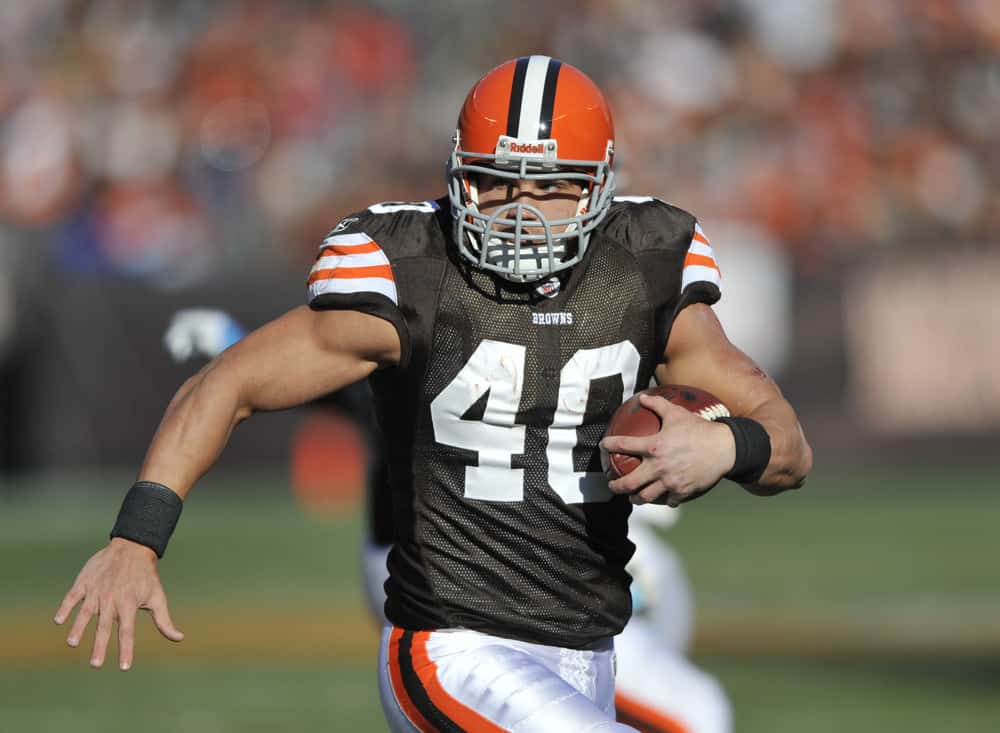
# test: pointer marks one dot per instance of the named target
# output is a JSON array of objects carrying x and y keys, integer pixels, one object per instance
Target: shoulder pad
[
  {"x": 701, "y": 271},
  {"x": 646, "y": 225},
  {"x": 641, "y": 223},
  {"x": 357, "y": 256},
  {"x": 386, "y": 222},
  {"x": 351, "y": 263}
]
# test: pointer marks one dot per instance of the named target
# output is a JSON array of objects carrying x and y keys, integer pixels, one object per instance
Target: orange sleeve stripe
[
  {"x": 399, "y": 689},
  {"x": 703, "y": 260},
  {"x": 319, "y": 275},
  {"x": 699, "y": 237},
  {"x": 350, "y": 249},
  {"x": 646, "y": 718},
  {"x": 464, "y": 716},
  {"x": 352, "y": 273}
]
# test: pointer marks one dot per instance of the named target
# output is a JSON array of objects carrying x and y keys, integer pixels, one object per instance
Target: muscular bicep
[
  {"x": 294, "y": 359},
  {"x": 699, "y": 353},
  {"x": 306, "y": 354}
]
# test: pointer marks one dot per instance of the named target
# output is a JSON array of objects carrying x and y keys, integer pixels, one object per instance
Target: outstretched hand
[
  {"x": 686, "y": 458},
  {"x": 114, "y": 584}
]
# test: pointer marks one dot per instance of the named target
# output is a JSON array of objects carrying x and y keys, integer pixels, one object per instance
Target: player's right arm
[
  {"x": 292, "y": 360},
  {"x": 296, "y": 358}
]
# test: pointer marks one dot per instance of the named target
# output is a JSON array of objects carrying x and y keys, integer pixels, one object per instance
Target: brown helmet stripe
[
  {"x": 548, "y": 99},
  {"x": 516, "y": 94}
]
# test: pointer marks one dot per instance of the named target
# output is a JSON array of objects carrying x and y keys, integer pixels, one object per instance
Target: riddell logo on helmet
[{"x": 529, "y": 148}]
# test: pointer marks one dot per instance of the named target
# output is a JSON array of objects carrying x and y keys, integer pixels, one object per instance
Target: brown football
[{"x": 635, "y": 420}]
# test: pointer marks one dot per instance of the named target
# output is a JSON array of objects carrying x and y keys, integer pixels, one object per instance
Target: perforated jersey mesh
[{"x": 538, "y": 569}]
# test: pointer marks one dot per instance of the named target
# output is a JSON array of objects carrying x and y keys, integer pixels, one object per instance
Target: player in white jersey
[{"x": 658, "y": 688}]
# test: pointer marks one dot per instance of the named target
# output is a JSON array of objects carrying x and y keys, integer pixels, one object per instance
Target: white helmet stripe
[{"x": 531, "y": 99}]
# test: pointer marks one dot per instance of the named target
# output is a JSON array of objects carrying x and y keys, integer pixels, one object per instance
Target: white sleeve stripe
[
  {"x": 358, "y": 238},
  {"x": 699, "y": 248},
  {"x": 700, "y": 273},
  {"x": 635, "y": 199},
  {"x": 699, "y": 230},
  {"x": 330, "y": 262},
  {"x": 355, "y": 285}
]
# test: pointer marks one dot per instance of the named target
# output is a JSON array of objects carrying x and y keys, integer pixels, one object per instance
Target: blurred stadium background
[{"x": 844, "y": 158}]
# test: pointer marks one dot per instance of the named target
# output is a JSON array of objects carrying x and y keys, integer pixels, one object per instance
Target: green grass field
[{"x": 859, "y": 603}]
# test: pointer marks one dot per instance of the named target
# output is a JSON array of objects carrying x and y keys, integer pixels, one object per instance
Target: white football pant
[
  {"x": 658, "y": 689},
  {"x": 463, "y": 680}
]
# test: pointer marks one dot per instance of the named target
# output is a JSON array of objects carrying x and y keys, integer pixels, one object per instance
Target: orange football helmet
[{"x": 531, "y": 118}]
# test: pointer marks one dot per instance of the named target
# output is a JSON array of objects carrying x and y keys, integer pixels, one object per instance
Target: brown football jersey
[{"x": 502, "y": 516}]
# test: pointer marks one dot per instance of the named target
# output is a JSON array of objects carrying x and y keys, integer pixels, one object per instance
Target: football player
[
  {"x": 657, "y": 688},
  {"x": 500, "y": 327},
  {"x": 652, "y": 648}
]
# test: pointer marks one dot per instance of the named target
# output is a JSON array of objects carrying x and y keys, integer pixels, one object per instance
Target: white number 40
[{"x": 496, "y": 370}]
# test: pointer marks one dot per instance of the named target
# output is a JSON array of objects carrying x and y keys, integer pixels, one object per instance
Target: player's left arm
[
  {"x": 689, "y": 455},
  {"x": 700, "y": 354}
]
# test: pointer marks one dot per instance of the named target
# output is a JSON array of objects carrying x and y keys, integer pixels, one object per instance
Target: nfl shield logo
[{"x": 549, "y": 288}]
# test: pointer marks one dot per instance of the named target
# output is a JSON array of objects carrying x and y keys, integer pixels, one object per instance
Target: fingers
[
  {"x": 658, "y": 492},
  {"x": 161, "y": 617},
  {"x": 126, "y": 638},
  {"x": 105, "y": 623},
  {"x": 661, "y": 406},
  {"x": 655, "y": 492},
  {"x": 110, "y": 585},
  {"x": 643, "y": 486},
  {"x": 636, "y": 479},
  {"x": 647, "y": 471},
  {"x": 83, "y": 616},
  {"x": 628, "y": 444},
  {"x": 107, "y": 614},
  {"x": 72, "y": 597}
]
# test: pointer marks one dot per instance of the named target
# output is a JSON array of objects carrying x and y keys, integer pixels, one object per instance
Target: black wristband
[
  {"x": 753, "y": 449},
  {"x": 148, "y": 515}
]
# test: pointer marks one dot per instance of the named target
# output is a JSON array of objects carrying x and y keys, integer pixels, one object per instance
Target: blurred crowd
[{"x": 169, "y": 140}]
